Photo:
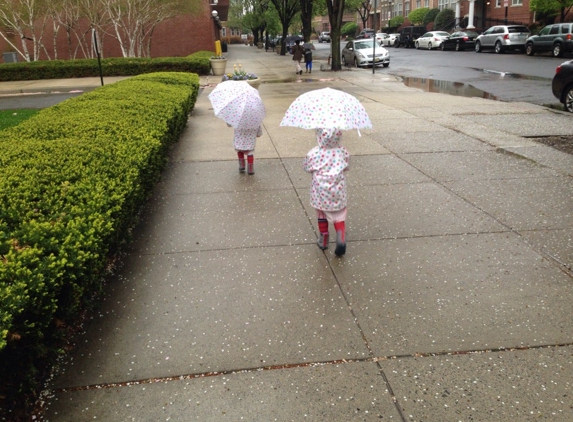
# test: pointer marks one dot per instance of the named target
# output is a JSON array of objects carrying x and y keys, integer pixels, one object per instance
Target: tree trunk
[
  {"x": 306, "y": 18},
  {"x": 335, "y": 13}
]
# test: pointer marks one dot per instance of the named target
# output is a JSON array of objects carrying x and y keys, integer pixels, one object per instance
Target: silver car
[
  {"x": 361, "y": 53},
  {"x": 502, "y": 38}
]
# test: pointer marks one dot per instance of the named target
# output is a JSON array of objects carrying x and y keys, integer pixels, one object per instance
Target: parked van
[
  {"x": 409, "y": 35},
  {"x": 557, "y": 38}
]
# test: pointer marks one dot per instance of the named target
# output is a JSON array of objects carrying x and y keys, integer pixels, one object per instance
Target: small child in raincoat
[
  {"x": 327, "y": 163},
  {"x": 244, "y": 141}
]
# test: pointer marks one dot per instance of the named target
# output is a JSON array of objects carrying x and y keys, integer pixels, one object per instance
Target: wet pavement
[{"x": 453, "y": 302}]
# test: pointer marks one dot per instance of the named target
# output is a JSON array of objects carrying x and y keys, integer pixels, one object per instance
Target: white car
[
  {"x": 431, "y": 39},
  {"x": 389, "y": 40},
  {"x": 380, "y": 36},
  {"x": 361, "y": 53}
]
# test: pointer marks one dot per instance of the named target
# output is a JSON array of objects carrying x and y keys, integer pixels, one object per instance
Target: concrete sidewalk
[{"x": 454, "y": 301}]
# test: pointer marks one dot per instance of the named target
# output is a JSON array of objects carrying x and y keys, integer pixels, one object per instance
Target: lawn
[{"x": 9, "y": 118}]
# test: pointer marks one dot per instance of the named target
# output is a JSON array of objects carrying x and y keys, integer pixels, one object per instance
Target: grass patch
[{"x": 9, "y": 118}]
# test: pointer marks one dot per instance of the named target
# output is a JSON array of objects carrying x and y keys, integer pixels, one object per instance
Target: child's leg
[
  {"x": 309, "y": 67},
  {"x": 339, "y": 218},
  {"x": 251, "y": 163},
  {"x": 241, "y": 156},
  {"x": 340, "y": 228},
  {"x": 323, "y": 230}
]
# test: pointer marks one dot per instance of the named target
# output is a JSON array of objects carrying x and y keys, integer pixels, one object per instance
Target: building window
[
  {"x": 224, "y": 32},
  {"x": 418, "y": 4},
  {"x": 517, "y": 2},
  {"x": 398, "y": 11},
  {"x": 407, "y": 9},
  {"x": 443, "y": 4},
  {"x": 497, "y": 3},
  {"x": 426, "y": 3}
]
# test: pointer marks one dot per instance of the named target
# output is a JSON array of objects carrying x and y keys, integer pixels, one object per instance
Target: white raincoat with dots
[{"x": 327, "y": 162}]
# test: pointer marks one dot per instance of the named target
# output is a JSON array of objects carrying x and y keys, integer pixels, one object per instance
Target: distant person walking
[
  {"x": 308, "y": 60},
  {"x": 327, "y": 163},
  {"x": 297, "y": 53}
]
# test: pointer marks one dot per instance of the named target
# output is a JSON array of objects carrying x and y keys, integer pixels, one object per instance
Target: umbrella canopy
[
  {"x": 328, "y": 109},
  {"x": 309, "y": 46},
  {"x": 238, "y": 104},
  {"x": 293, "y": 38}
]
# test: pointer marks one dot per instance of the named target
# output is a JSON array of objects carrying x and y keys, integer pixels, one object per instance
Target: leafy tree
[
  {"x": 552, "y": 7},
  {"x": 287, "y": 10},
  {"x": 444, "y": 19},
  {"x": 430, "y": 16},
  {"x": 417, "y": 16}
]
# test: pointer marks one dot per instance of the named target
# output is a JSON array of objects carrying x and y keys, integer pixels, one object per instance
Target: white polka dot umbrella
[
  {"x": 238, "y": 104},
  {"x": 328, "y": 109}
]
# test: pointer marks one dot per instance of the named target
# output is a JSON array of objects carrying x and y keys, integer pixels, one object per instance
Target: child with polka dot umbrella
[
  {"x": 240, "y": 106},
  {"x": 328, "y": 111}
]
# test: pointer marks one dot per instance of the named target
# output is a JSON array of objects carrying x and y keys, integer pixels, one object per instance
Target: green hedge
[
  {"x": 58, "y": 69},
  {"x": 72, "y": 179}
]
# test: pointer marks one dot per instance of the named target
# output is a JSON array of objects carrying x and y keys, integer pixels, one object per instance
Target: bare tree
[
  {"x": 26, "y": 20},
  {"x": 364, "y": 12},
  {"x": 132, "y": 22}
]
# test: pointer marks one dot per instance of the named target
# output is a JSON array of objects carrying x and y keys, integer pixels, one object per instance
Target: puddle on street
[
  {"x": 512, "y": 75},
  {"x": 447, "y": 87}
]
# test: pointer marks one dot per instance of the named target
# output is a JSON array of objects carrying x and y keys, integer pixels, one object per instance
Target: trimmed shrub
[
  {"x": 72, "y": 179},
  {"x": 396, "y": 21},
  {"x": 445, "y": 20},
  {"x": 58, "y": 69},
  {"x": 430, "y": 16},
  {"x": 417, "y": 16},
  {"x": 349, "y": 29}
]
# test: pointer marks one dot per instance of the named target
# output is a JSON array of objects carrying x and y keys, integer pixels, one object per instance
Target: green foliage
[
  {"x": 430, "y": 16},
  {"x": 396, "y": 21},
  {"x": 9, "y": 118},
  {"x": 549, "y": 7},
  {"x": 444, "y": 19},
  {"x": 72, "y": 179},
  {"x": 57, "y": 69},
  {"x": 349, "y": 29},
  {"x": 417, "y": 16}
]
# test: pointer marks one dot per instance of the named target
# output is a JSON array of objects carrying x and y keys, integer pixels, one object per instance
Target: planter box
[{"x": 218, "y": 66}]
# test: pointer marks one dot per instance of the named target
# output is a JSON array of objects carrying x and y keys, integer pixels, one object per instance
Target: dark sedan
[
  {"x": 459, "y": 41},
  {"x": 562, "y": 84}
]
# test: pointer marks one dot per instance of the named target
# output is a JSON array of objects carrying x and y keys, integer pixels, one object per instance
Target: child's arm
[{"x": 259, "y": 132}]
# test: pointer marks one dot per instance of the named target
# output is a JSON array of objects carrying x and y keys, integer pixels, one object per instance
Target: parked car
[
  {"x": 459, "y": 41},
  {"x": 361, "y": 53},
  {"x": 502, "y": 38},
  {"x": 562, "y": 84},
  {"x": 365, "y": 33},
  {"x": 380, "y": 36},
  {"x": 408, "y": 36},
  {"x": 324, "y": 37},
  {"x": 557, "y": 38},
  {"x": 431, "y": 40},
  {"x": 389, "y": 40}
]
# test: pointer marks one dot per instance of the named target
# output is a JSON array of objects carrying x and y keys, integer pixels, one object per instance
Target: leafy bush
[
  {"x": 349, "y": 29},
  {"x": 444, "y": 20},
  {"x": 72, "y": 178},
  {"x": 57, "y": 69},
  {"x": 430, "y": 16},
  {"x": 396, "y": 21},
  {"x": 417, "y": 16}
]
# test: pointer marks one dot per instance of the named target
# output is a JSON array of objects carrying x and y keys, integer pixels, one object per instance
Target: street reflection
[{"x": 447, "y": 87}]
